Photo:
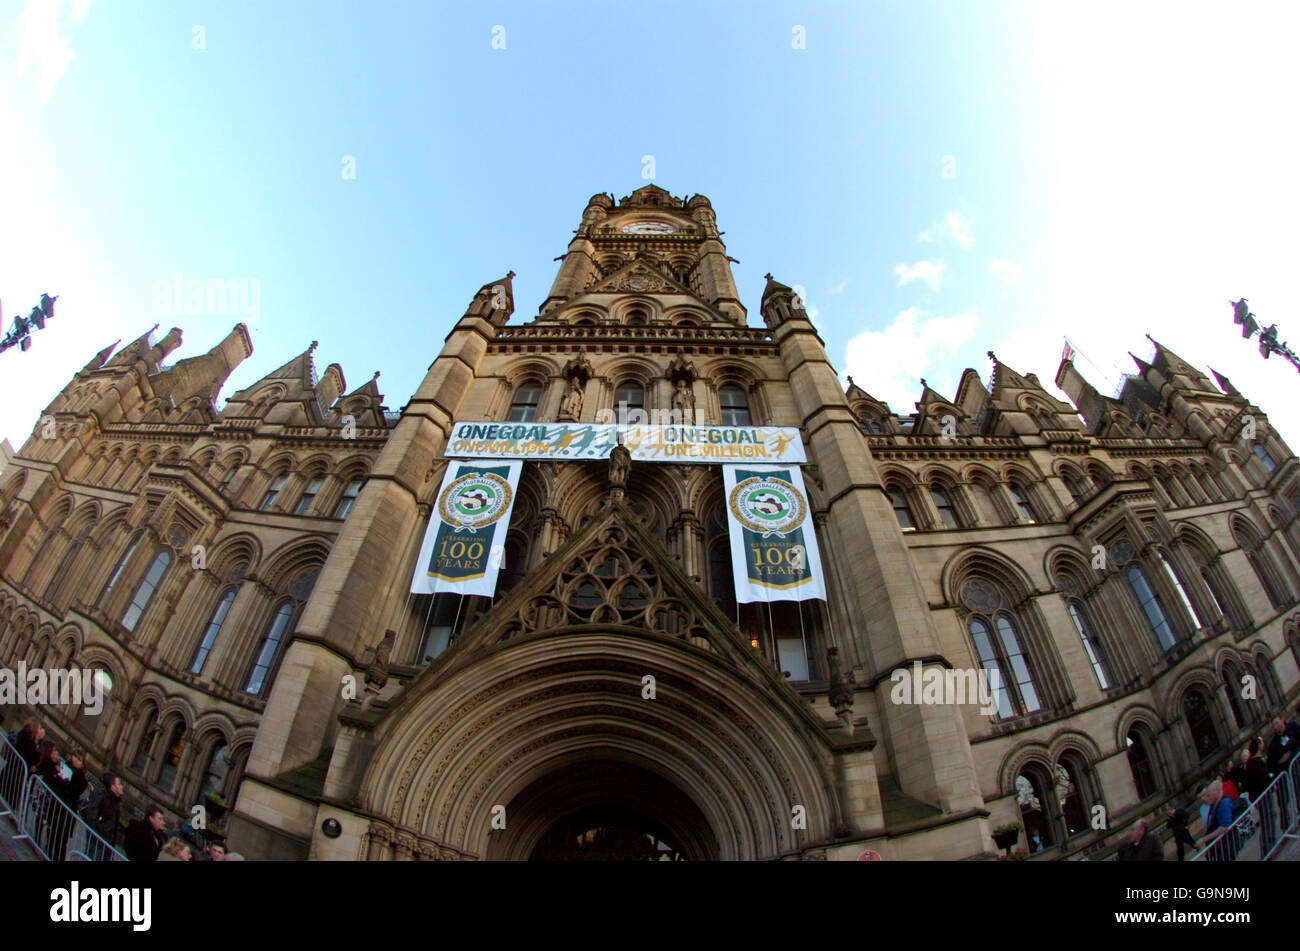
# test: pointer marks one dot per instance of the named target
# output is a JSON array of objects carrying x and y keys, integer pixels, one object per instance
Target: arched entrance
[
  {"x": 533, "y": 743},
  {"x": 607, "y": 811}
]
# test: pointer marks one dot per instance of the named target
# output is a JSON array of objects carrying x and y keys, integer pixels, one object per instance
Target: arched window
[
  {"x": 1265, "y": 458},
  {"x": 1215, "y": 591},
  {"x": 1139, "y": 764},
  {"x": 271, "y": 640},
  {"x": 1196, "y": 710},
  {"x": 212, "y": 630},
  {"x": 145, "y": 591},
  {"x": 141, "y": 762},
  {"x": 172, "y": 754},
  {"x": 735, "y": 406},
  {"x": 348, "y": 499},
  {"x": 1232, "y": 687},
  {"x": 276, "y": 487},
  {"x": 218, "y": 768},
  {"x": 947, "y": 514},
  {"x": 1070, "y": 794},
  {"x": 524, "y": 407},
  {"x": 898, "y": 499},
  {"x": 1152, "y": 607},
  {"x": 1007, "y": 667},
  {"x": 1090, "y": 646},
  {"x": 636, "y": 318},
  {"x": 629, "y": 400},
  {"x": 309, "y": 495},
  {"x": 1182, "y": 592},
  {"x": 121, "y": 566},
  {"x": 869, "y": 424},
  {"x": 1032, "y": 797},
  {"x": 1260, "y": 562},
  {"x": 1019, "y": 493},
  {"x": 1073, "y": 487}
]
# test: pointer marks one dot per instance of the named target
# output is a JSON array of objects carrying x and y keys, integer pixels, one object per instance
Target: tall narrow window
[
  {"x": 524, "y": 407},
  {"x": 629, "y": 403},
  {"x": 1152, "y": 608},
  {"x": 944, "y": 504},
  {"x": 735, "y": 406},
  {"x": 349, "y": 497},
  {"x": 308, "y": 496},
  {"x": 172, "y": 757},
  {"x": 1265, "y": 578},
  {"x": 1022, "y": 502},
  {"x": 1182, "y": 592},
  {"x": 1008, "y": 672},
  {"x": 1196, "y": 709},
  {"x": 229, "y": 477},
  {"x": 1139, "y": 764},
  {"x": 1215, "y": 591},
  {"x": 214, "y": 777},
  {"x": 901, "y": 510},
  {"x": 1090, "y": 647},
  {"x": 869, "y": 424},
  {"x": 141, "y": 761},
  {"x": 275, "y": 632},
  {"x": 212, "y": 630},
  {"x": 273, "y": 491},
  {"x": 1265, "y": 458},
  {"x": 121, "y": 565},
  {"x": 1072, "y": 486},
  {"x": 145, "y": 592}
]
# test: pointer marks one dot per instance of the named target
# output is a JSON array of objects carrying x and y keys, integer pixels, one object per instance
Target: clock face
[{"x": 648, "y": 227}]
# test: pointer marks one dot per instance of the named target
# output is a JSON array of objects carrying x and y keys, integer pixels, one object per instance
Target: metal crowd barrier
[
  {"x": 56, "y": 832},
  {"x": 13, "y": 780},
  {"x": 1262, "y": 829}
]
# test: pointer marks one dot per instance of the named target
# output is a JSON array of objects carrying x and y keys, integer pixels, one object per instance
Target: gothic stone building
[{"x": 1124, "y": 563}]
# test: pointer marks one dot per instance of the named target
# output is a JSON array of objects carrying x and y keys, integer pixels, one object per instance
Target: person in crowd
[
  {"x": 175, "y": 849},
  {"x": 145, "y": 837},
  {"x": 1257, "y": 781},
  {"x": 1178, "y": 824},
  {"x": 67, "y": 786},
  {"x": 1141, "y": 846},
  {"x": 104, "y": 811},
  {"x": 234, "y": 857},
  {"x": 1236, "y": 773},
  {"x": 1281, "y": 749},
  {"x": 28, "y": 742},
  {"x": 218, "y": 852},
  {"x": 1216, "y": 827},
  {"x": 1229, "y": 787}
]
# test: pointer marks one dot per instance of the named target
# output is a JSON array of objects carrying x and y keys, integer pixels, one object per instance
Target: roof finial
[
  {"x": 992, "y": 357},
  {"x": 851, "y": 383},
  {"x": 923, "y": 383},
  {"x": 768, "y": 276},
  {"x": 376, "y": 376},
  {"x": 509, "y": 275},
  {"x": 314, "y": 345}
]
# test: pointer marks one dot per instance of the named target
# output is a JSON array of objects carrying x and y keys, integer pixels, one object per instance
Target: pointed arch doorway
[{"x": 606, "y": 810}]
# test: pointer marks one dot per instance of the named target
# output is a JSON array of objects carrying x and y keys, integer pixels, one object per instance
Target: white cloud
[
  {"x": 1008, "y": 272},
  {"x": 46, "y": 27},
  {"x": 889, "y": 363},
  {"x": 956, "y": 225},
  {"x": 838, "y": 288},
  {"x": 929, "y": 271}
]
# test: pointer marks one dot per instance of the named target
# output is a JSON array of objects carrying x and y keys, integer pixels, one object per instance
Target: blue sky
[{"x": 941, "y": 178}]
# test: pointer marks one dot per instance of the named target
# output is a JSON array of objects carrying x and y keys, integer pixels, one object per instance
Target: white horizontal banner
[{"x": 560, "y": 442}]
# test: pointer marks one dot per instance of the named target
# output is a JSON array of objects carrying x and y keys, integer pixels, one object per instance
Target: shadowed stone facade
[{"x": 1121, "y": 562}]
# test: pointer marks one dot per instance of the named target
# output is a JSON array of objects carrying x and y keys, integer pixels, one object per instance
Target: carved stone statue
[
  {"x": 684, "y": 403},
  {"x": 620, "y": 464},
  {"x": 377, "y": 671},
  {"x": 571, "y": 402}
]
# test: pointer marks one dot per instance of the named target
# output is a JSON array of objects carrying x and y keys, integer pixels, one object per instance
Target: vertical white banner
[
  {"x": 465, "y": 542},
  {"x": 774, "y": 554}
]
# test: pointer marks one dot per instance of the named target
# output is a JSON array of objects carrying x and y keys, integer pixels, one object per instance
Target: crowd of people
[
  {"x": 1238, "y": 790},
  {"x": 143, "y": 840}
]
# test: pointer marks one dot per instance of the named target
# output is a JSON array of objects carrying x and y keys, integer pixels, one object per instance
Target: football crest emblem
[
  {"x": 768, "y": 506},
  {"x": 474, "y": 501}
]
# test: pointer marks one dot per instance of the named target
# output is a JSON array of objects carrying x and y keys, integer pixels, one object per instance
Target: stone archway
[
  {"x": 604, "y": 810},
  {"x": 489, "y": 757}
]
